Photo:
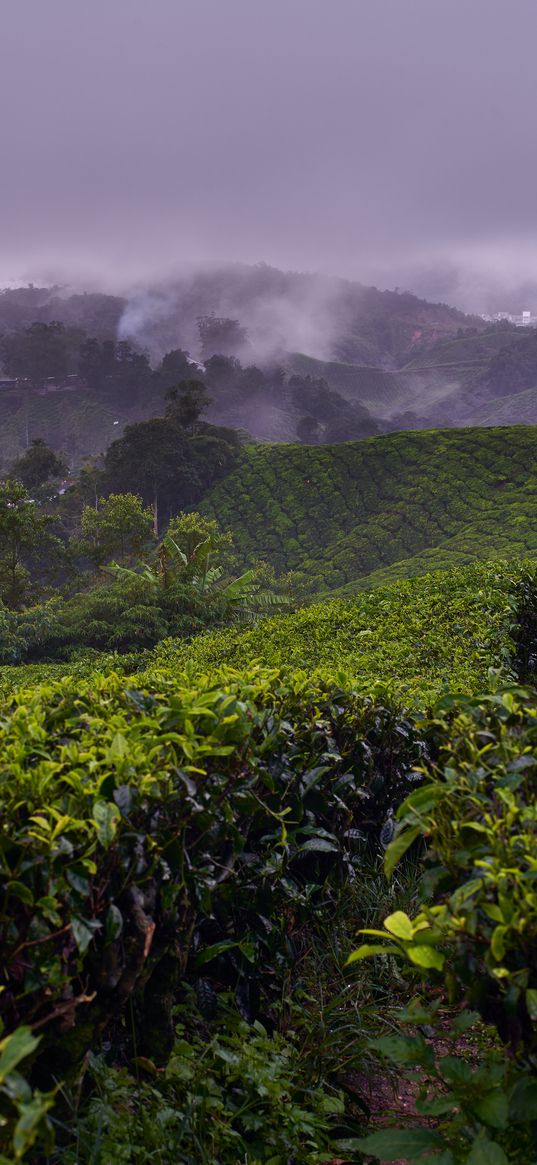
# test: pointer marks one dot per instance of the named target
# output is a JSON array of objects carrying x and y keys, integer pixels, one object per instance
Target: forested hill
[
  {"x": 361, "y": 513},
  {"x": 277, "y": 311}
]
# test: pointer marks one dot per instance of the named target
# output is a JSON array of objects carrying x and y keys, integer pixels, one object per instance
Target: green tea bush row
[
  {"x": 414, "y": 638},
  {"x": 339, "y": 513},
  {"x": 152, "y": 832},
  {"x": 476, "y": 933}
]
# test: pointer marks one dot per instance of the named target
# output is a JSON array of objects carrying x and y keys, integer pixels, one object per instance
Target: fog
[{"x": 388, "y": 142}]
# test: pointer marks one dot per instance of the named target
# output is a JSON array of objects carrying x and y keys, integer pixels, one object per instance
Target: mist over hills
[{"x": 302, "y": 355}]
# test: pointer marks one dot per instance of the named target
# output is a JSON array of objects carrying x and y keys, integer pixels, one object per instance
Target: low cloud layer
[{"x": 387, "y": 142}]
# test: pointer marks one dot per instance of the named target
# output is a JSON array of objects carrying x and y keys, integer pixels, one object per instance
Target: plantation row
[
  {"x": 188, "y": 852},
  {"x": 413, "y": 639},
  {"x": 339, "y": 513}
]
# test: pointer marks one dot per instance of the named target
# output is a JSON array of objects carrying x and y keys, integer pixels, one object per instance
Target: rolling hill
[
  {"x": 412, "y": 639},
  {"x": 362, "y": 513}
]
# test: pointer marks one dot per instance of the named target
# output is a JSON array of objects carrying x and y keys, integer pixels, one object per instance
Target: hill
[
  {"x": 406, "y": 502},
  {"x": 281, "y": 310},
  {"x": 414, "y": 638},
  {"x": 501, "y": 409}
]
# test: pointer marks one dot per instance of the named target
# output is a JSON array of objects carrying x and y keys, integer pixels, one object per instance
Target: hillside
[
  {"x": 409, "y": 502},
  {"x": 521, "y": 406},
  {"x": 413, "y": 639},
  {"x": 281, "y": 310},
  {"x": 79, "y": 423}
]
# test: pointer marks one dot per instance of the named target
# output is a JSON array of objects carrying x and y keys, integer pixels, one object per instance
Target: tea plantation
[
  {"x": 250, "y": 881},
  {"x": 414, "y": 639},
  {"x": 404, "y": 503}
]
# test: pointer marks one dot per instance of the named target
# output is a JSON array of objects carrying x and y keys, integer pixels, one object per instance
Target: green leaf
[
  {"x": 405, "y": 1049},
  {"x": 398, "y": 847},
  {"x": 367, "y": 950},
  {"x": 14, "y": 1048},
  {"x": 493, "y": 1109},
  {"x": 485, "y": 1152},
  {"x": 214, "y": 951},
  {"x": 531, "y": 1002},
  {"x": 421, "y": 800},
  {"x": 118, "y": 748},
  {"x": 425, "y": 956},
  {"x": 19, "y": 890},
  {"x": 106, "y": 816},
  {"x": 497, "y": 942},
  {"x": 319, "y": 844},
  {"x": 400, "y": 925},
  {"x": 27, "y": 1126},
  {"x": 113, "y": 924},
  {"x": 84, "y": 930},
  {"x": 391, "y": 1144},
  {"x": 523, "y": 1101}
]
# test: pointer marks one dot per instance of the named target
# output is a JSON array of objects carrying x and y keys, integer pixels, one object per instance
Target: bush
[
  {"x": 138, "y": 821},
  {"x": 238, "y": 1095}
]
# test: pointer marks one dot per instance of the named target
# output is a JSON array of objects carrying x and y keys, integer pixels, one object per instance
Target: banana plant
[{"x": 243, "y": 596}]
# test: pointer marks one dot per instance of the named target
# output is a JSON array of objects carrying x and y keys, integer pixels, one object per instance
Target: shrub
[{"x": 137, "y": 820}]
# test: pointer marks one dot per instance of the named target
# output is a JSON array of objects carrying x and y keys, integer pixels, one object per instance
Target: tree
[
  {"x": 308, "y": 430},
  {"x": 221, "y": 335},
  {"x": 174, "y": 367},
  {"x": 187, "y": 401},
  {"x": 190, "y": 530},
  {"x": 168, "y": 466},
  {"x": 120, "y": 528},
  {"x": 181, "y": 580},
  {"x": 153, "y": 458},
  {"x": 36, "y": 353},
  {"x": 28, "y": 548},
  {"x": 39, "y": 465},
  {"x": 116, "y": 369}
]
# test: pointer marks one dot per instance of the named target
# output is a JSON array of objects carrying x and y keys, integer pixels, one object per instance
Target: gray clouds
[{"x": 378, "y": 139}]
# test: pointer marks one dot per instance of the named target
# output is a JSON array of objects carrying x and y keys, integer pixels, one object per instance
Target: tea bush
[
  {"x": 405, "y": 503},
  {"x": 185, "y": 829},
  {"x": 477, "y": 928},
  {"x": 414, "y": 638}
]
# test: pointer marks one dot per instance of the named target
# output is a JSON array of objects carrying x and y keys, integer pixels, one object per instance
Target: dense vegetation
[
  {"x": 413, "y": 639},
  {"x": 415, "y": 500},
  {"x": 175, "y": 842},
  {"x": 192, "y": 833}
]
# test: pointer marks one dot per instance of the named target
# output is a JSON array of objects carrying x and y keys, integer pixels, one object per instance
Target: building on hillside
[{"x": 524, "y": 320}]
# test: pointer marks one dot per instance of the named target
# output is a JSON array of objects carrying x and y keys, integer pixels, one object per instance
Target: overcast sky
[{"x": 385, "y": 140}]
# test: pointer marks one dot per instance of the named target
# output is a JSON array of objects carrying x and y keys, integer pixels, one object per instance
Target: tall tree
[
  {"x": 187, "y": 401},
  {"x": 153, "y": 458},
  {"x": 119, "y": 529},
  {"x": 39, "y": 465},
  {"x": 29, "y": 551}
]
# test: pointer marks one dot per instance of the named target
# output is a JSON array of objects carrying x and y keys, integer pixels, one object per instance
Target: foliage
[
  {"x": 478, "y": 810},
  {"x": 415, "y": 638},
  {"x": 151, "y": 829},
  {"x": 119, "y": 528},
  {"x": 27, "y": 545},
  {"x": 236, "y": 1095},
  {"x": 23, "y": 1111},
  {"x": 36, "y": 352},
  {"x": 363, "y": 513},
  {"x": 38, "y": 465},
  {"x": 472, "y": 1113},
  {"x": 170, "y": 460},
  {"x": 477, "y": 928}
]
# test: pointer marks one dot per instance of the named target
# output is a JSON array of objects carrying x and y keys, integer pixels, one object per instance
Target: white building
[{"x": 524, "y": 320}]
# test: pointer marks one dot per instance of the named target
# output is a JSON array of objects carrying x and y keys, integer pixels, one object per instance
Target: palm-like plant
[{"x": 243, "y": 598}]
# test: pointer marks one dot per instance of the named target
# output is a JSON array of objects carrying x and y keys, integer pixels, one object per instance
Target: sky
[{"x": 389, "y": 141}]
